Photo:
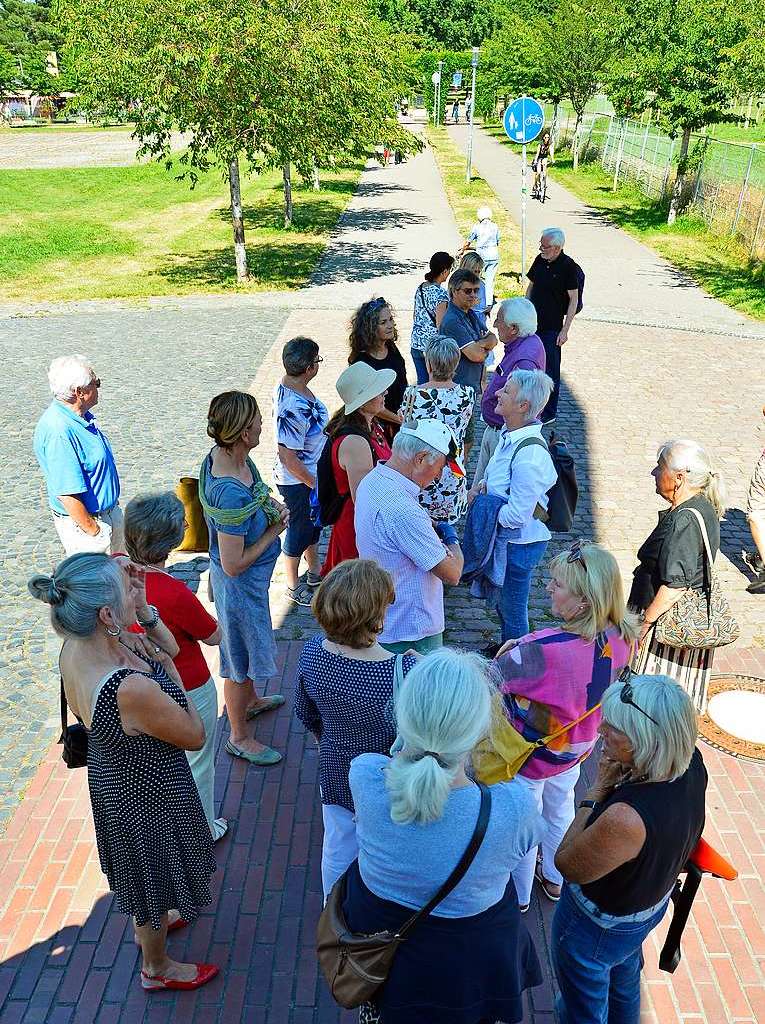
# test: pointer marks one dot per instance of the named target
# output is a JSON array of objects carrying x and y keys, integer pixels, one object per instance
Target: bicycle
[{"x": 539, "y": 191}]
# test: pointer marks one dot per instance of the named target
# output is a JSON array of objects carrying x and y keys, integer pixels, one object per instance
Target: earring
[{"x": 113, "y": 632}]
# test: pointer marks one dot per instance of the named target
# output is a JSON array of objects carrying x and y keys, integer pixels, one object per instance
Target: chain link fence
[{"x": 725, "y": 181}]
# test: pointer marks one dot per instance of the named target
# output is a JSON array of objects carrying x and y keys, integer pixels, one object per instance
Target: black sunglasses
[
  {"x": 626, "y": 694},
  {"x": 575, "y": 553}
]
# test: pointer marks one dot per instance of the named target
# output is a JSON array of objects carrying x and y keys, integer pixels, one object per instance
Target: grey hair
[
  {"x": 556, "y": 235},
  {"x": 520, "y": 312},
  {"x": 534, "y": 387},
  {"x": 79, "y": 588},
  {"x": 483, "y": 213},
  {"x": 442, "y": 713},
  {"x": 442, "y": 356},
  {"x": 460, "y": 277},
  {"x": 406, "y": 446},
  {"x": 298, "y": 355},
  {"x": 663, "y": 751},
  {"x": 684, "y": 456},
  {"x": 153, "y": 526},
  {"x": 67, "y": 373}
]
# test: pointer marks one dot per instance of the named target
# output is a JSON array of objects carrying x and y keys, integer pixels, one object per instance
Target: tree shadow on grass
[{"x": 275, "y": 264}]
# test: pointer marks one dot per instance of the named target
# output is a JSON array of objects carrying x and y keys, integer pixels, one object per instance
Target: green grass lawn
[
  {"x": 465, "y": 199},
  {"x": 134, "y": 232},
  {"x": 719, "y": 264}
]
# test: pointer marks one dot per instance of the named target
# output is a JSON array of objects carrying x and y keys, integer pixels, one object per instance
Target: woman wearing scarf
[{"x": 244, "y": 523}]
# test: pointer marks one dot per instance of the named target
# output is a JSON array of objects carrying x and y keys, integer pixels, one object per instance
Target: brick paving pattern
[{"x": 64, "y": 955}]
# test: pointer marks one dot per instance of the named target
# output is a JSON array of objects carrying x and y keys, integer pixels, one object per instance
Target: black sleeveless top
[{"x": 673, "y": 815}]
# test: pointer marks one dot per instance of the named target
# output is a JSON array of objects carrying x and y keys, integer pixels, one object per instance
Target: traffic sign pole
[
  {"x": 469, "y": 170},
  {"x": 523, "y": 212},
  {"x": 524, "y": 119}
]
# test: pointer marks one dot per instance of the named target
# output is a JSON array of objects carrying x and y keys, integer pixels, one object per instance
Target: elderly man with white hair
[
  {"x": 393, "y": 529},
  {"x": 77, "y": 461},
  {"x": 518, "y": 477},
  {"x": 554, "y": 290},
  {"x": 516, "y": 326}
]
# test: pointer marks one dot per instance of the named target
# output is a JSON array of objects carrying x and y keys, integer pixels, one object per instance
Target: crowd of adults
[{"x": 405, "y": 726}]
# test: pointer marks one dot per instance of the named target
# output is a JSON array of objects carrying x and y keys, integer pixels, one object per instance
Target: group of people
[{"x": 405, "y": 726}]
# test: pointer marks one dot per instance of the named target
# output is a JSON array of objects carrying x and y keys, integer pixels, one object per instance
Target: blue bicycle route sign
[{"x": 524, "y": 119}]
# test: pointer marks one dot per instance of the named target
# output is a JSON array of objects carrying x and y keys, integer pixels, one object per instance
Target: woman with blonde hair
[
  {"x": 343, "y": 694},
  {"x": 557, "y": 676},
  {"x": 674, "y": 559},
  {"x": 470, "y": 959},
  {"x": 244, "y": 523}
]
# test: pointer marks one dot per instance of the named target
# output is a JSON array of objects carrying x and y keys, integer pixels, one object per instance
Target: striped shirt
[{"x": 394, "y": 530}]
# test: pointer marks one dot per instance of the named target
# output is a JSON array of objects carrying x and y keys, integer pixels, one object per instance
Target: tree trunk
[
  {"x": 240, "y": 252},
  {"x": 315, "y": 183},
  {"x": 677, "y": 191},
  {"x": 287, "y": 175},
  {"x": 575, "y": 147}
]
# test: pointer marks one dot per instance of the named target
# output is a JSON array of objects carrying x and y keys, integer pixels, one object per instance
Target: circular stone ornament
[{"x": 735, "y": 716}]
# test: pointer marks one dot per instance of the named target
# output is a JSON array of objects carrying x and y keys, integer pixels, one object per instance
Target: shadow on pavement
[{"x": 363, "y": 263}]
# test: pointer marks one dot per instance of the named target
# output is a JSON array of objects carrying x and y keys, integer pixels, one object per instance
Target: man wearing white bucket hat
[{"x": 396, "y": 531}]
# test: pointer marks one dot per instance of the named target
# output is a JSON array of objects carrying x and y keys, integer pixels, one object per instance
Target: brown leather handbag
[
  {"x": 355, "y": 965},
  {"x": 195, "y": 537}
]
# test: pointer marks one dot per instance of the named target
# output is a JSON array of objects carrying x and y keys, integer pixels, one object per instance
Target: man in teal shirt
[{"x": 77, "y": 461}]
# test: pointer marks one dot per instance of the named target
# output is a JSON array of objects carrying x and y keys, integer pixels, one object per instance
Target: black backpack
[
  {"x": 564, "y": 493},
  {"x": 325, "y": 500}
]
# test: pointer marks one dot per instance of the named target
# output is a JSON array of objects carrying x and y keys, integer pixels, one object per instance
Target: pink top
[{"x": 549, "y": 679}]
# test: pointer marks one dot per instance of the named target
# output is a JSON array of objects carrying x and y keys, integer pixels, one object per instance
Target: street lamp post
[
  {"x": 438, "y": 92},
  {"x": 469, "y": 170}
]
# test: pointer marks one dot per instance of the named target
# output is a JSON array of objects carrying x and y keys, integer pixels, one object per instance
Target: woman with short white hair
[
  {"x": 516, "y": 482},
  {"x": 484, "y": 238},
  {"x": 674, "y": 559},
  {"x": 469, "y": 961},
  {"x": 632, "y": 835},
  {"x": 516, "y": 327}
]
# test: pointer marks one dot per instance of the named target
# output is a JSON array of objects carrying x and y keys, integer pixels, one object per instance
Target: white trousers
[
  {"x": 555, "y": 800},
  {"x": 202, "y": 762},
  {"x": 109, "y": 539},
  {"x": 340, "y": 848}
]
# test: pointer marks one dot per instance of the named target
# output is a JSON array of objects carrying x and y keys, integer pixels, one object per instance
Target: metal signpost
[
  {"x": 436, "y": 80},
  {"x": 524, "y": 119},
  {"x": 469, "y": 170}
]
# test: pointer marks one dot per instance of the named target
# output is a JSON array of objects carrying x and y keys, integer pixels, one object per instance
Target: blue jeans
[
  {"x": 597, "y": 963},
  {"x": 490, "y": 268},
  {"x": 418, "y": 358},
  {"x": 522, "y": 560},
  {"x": 446, "y": 532}
]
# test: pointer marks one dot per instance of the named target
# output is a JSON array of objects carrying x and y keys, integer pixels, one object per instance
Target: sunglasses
[
  {"x": 471, "y": 291},
  {"x": 376, "y": 304},
  {"x": 94, "y": 383},
  {"x": 575, "y": 553},
  {"x": 626, "y": 694},
  {"x": 317, "y": 360}
]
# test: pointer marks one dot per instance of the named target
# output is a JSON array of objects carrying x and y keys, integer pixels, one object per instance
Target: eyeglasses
[
  {"x": 575, "y": 553},
  {"x": 317, "y": 360},
  {"x": 95, "y": 382},
  {"x": 626, "y": 694},
  {"x": 471, "y": 291}
]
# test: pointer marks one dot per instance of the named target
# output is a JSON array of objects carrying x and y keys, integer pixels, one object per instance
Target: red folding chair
[{"x": 703, "y": 861}]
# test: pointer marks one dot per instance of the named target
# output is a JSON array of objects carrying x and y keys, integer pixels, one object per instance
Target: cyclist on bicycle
[{"x": 545, "y": 152}]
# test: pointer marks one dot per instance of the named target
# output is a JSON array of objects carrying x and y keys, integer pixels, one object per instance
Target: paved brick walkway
[{"x": 66, "y": 956}]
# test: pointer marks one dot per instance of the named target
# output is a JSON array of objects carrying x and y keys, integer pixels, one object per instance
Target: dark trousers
[{"x": 552, "y": 358}]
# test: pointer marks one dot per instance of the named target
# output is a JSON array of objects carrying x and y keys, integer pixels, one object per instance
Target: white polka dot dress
[{"x": 153, "y": 840}]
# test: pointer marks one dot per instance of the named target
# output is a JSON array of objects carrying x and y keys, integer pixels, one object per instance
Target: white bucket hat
[
  {"x": 438, "y": 436},
  {"x": 360, "y": 383}
]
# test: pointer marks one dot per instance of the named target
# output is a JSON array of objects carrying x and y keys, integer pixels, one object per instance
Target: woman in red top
[
  {"x": 154, "y": 525},
  {"x": 358, "y": 443}
]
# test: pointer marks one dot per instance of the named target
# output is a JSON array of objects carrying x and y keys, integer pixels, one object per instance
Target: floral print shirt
[
  {"x": 446, "y": 498},
  {"x": 299, "y": 424}
]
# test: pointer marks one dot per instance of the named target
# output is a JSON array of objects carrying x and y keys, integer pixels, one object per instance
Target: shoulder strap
[
  {"x": 465, "y": 861},
  {"x": 524, "y": 444},
  {"x": 398, "y": 673},
  {"x": 565, "y": 728},
  {"x": 425, "y": 305},
  {"x": 704, "y": 534},
  {"x": 64, "y": 709}
]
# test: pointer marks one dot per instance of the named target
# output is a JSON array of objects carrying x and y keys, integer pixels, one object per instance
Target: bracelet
[
  {"x": 149, "y": 624},
  {"x": 586, "y": 803}
]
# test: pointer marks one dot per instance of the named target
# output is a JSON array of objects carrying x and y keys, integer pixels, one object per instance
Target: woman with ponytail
[
  {"x": 470, "y": 960},
  {"x": 673, "y": 560}
]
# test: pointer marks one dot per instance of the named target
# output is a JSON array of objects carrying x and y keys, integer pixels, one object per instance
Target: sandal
[
  {"x": 205, "y": 973},
  {"x": 552, "y": 896},
  {"x": 270, "y": 703},
  {"x": 220, "y": 828}
]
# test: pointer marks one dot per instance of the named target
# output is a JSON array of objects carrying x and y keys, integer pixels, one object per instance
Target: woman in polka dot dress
[
  {"x": 154, "y": 843},
  {"x": 344, "y": 694}
]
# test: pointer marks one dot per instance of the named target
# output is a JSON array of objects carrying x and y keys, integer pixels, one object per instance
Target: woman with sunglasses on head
[
  {"x": 673, "y": 560},
  {"x": 554, "y": 677},
  {"x": 631, "y": 837},
  {"x": 430, "y": 303},
  {"x": 373, "y": 341}
]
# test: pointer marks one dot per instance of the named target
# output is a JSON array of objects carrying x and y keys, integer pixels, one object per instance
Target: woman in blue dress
[{"x": 244, "y": 523}]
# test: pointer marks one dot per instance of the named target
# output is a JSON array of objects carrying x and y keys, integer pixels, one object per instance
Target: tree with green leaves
[
  {"x": 676, "y": 57},
  {"x": 9, "y": 70},
  {"x": 274, "y": 82},
  {"x": 28, "y": 34}
]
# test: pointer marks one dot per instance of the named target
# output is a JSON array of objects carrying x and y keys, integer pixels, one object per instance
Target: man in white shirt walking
[
  {"x": 395, "y": 530},
  {"x": 521, "y": 471}
]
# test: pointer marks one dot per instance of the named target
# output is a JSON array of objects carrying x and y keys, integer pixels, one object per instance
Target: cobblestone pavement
[
  {"x": 67, "y": 956},
  {"x": 30, "y": 148}
]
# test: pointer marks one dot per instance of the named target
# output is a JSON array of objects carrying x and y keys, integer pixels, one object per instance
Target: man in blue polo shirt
[{"x": 77, "y": 461}]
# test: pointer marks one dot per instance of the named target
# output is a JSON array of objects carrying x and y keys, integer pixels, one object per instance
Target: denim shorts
[{"x": 301, "y": 532}]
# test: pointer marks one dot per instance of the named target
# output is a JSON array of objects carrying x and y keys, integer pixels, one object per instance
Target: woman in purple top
[{"x": 516, "y": 325}]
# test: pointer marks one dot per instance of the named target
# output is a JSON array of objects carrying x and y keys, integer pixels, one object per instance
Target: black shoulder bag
[
  {"x": 356, "y": 966},
  {"x": 74, "y": 738}
]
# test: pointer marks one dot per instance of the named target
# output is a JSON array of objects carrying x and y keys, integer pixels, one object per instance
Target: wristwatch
[
  {"x": 586, "y": 803},
  {"x": 149, "y": 624}
]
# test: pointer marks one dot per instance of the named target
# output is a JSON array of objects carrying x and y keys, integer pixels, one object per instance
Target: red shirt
[{"x": 183, "y": 614}]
